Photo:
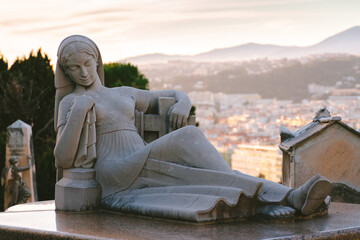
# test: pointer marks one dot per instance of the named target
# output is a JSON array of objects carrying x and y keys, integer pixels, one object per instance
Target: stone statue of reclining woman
[{"x": 179, "y": 175}]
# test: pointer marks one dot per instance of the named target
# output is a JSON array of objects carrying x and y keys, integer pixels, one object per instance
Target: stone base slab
[{"x": 40, "y": 221}]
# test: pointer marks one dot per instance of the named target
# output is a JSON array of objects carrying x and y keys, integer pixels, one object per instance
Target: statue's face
[
  {"x": 81, "y": 68},
  {"x": 13, "y": 161}
]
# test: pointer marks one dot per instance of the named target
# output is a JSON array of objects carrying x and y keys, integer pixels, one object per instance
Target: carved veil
[
  {"x": 86, "y": 153},
  {"x": 63, "y": 84}
]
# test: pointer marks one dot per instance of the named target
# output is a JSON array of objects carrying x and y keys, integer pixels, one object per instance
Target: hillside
[
  {"x": 347, "y": 41},
  {"x": 283, "y": 79}
]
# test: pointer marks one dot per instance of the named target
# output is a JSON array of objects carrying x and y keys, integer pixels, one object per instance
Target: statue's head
[
  {"x": 74, "y": 45},
  {"x": 75, "y": 50},
  {"x": 78, "y": 59},
  {"x": 13, "y": 160},
  {"x": 79, "y": 50}
]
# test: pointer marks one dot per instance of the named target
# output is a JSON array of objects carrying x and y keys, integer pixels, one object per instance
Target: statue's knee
[{"x": 191, "y": 132}]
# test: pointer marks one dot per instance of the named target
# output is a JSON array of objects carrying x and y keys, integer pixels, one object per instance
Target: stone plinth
[
  {"x": 40, "y": 221},
  {"x": 19, "y": 143},
  {"x": 77, "y": 190}
]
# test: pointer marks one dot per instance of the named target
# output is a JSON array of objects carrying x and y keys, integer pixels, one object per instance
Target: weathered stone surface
[
  {"x": 326, "y": 146},
  {"x": 77, "y": 191},
  {"x": 344, "y": 193},
  {"x": 42, "y": 222}
]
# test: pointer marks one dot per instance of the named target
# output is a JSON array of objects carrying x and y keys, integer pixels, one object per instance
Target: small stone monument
[
  {"x": 19, "y": 165},
  {"x": 325, "y": 146}
]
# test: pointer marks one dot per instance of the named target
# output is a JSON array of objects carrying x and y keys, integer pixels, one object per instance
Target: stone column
[
  {"x": 19, "y": 143},
  {"x": 77, "y": 191}
]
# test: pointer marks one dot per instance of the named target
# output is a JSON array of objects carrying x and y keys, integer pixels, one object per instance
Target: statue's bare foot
[
  {"x": 311, "y": 195},
  {"x": 274, "y": 211}
]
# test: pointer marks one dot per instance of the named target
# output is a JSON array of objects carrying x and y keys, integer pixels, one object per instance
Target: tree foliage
[
  {"x": 27, "y": 93},
  {"x": 124, "y": 74}
]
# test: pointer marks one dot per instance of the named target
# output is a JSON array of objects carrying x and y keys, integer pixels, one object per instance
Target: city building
[{"x": 258, "y": 161}]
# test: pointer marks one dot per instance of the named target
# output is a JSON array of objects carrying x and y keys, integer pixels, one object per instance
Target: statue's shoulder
[
  {"x": 66, "y": 102},
  {"x": 68, "y": 98},
  {"x": 124, "y": 90}
]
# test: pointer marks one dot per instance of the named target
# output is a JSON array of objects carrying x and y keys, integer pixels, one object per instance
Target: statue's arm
[
  {"x": 180, "y": 98},
  {"x": 146, "y": 101},
  {"x": 68, "y": 135},
  {"x": 20, "y": 169},
  {"x": 179, "y": 112}
]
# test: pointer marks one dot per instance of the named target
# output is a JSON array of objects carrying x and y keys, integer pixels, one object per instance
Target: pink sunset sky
[{"x": 124, "y": 28}]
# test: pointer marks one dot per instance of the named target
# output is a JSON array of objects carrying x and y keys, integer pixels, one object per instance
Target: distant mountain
[
  {"x": 246, "y": 51},
  {"x": 347, "y": 41},
  {"x": 344, "y": 42},
  {"x": 155, "y": 58}
]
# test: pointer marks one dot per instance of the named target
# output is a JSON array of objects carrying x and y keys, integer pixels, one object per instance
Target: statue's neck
[{"x": 93, "y": 88}]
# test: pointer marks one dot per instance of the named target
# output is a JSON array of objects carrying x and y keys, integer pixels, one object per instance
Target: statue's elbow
[
  {"x": 63, "y": 163},
  {"x": 62, "y": 160}
]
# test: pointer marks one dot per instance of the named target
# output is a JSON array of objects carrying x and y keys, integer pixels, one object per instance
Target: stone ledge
[{"x": 40, "y": 221}]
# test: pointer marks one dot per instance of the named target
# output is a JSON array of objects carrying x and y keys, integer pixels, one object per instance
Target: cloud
[
  {"x": 210, "y": 6},
  {"x": 19, "y": 21},
  {"x": 135, "y": 27},
  {"x": 103, "y": 11},
  {"x": 39, "y": 30}
]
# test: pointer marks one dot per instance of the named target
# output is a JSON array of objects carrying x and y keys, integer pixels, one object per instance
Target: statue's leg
[
  {"x": 271, "y": 192},
  {"x": 306, "y": 199},
  {"x": 311, "y": 195},
  {"x": 188, "y": 146},
  {"x": 14, "y": 191},
  {"x": 272, "y": 198}
]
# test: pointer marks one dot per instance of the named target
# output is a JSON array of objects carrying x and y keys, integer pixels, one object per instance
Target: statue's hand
[
  {"x": 178, "y": 116},
  {"x": 84, "y": 102}
]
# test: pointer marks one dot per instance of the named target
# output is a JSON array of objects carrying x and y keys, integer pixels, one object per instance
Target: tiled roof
[{"x": 308, "y": 131}]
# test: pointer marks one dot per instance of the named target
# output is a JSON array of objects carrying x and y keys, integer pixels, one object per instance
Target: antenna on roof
[
  {"x": 322, "y": 113},
  {"x": 285, "y": 134}
]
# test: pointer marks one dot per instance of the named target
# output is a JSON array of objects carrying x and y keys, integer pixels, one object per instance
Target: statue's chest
[{"x": 110, "y": 108}]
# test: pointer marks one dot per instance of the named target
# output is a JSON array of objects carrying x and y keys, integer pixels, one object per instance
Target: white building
[{"x": 256, "y": 160}]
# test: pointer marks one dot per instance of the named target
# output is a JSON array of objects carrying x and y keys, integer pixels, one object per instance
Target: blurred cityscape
[{"x": 244, "y": 127}]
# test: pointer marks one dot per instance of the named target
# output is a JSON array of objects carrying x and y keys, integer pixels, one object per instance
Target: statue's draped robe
[{"x": 178, "y": 176}]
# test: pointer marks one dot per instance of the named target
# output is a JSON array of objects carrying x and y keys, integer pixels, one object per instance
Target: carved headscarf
[{"x": 63, "y": 84}]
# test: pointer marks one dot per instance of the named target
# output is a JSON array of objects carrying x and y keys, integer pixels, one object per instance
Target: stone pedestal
[
  {"x": 40, "y": 221},
  {"x": 77, "y": 190},
  {"x": 19, "y": 143}
]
